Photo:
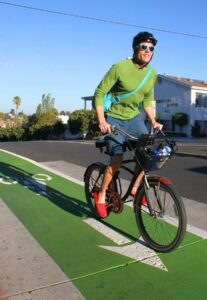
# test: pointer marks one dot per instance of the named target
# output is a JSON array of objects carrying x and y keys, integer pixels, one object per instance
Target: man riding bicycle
[{"x": 124, "y": 77}]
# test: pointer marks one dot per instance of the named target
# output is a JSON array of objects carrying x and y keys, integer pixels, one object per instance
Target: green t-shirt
[{"x": 123, "y": 78}]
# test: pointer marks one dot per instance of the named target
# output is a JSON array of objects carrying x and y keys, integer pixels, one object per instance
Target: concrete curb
[{"x": 191, "y": 154}]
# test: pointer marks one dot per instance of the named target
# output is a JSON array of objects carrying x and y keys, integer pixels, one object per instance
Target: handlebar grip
[
  {"x": 157, "y": 131},
  {"x": 113, "y": 128}
]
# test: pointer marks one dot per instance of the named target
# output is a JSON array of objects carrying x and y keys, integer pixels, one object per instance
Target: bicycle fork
[
  {"x": 147, "y": 195},
  {"x": 154, "y": 203}
]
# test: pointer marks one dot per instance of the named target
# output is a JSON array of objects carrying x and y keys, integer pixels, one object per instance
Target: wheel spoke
[
  {"x": 164, "y": 227},
  {"x": 93, "y": 181}
]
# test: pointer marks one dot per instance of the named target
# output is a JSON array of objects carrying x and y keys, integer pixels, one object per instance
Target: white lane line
[
  {"x": 137, "y": 251},
  {"x": 111, "y": 234}
]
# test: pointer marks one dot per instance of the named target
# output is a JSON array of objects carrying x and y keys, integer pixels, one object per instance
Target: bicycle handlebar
[
  {"x": 171, "y": 143},
  {"x": 114, "y": 128}
]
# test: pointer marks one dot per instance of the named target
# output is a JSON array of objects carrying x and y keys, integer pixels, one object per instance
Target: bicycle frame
[
  {"x": 134, "y": 178},
  {"x": 140, "y": 177}
]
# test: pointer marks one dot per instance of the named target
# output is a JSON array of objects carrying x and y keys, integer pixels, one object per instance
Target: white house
[
  {"x": 64, "y": 119},
  {"x": 183, "y": 95}
]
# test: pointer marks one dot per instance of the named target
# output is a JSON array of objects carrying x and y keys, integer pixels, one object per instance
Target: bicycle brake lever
[{"x": 156, "y": 131}]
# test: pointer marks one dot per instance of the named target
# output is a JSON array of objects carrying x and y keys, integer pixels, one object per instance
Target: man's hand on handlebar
[
  {"x": 105, "y": 127},
  {"x": 157, "y": 125}
]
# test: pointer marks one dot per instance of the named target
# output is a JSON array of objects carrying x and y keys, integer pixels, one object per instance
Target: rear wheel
[
  {"x": 161, "y": 218},
  {"x": 93, "y": 181}
]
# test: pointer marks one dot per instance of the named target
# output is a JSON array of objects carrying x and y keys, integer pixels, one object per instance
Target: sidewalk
[
  {"x": 192, "y": 148},
  {"x": 27, "y": 271}
]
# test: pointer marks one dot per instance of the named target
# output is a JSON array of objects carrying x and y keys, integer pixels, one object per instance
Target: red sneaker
[
  {"x": 144, "y": 200},
  {"x": 95, "y": 196},
  {"x": 100, "y": 207}
]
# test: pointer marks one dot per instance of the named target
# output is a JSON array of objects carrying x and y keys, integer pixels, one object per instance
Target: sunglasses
[{"x": 146, "y": 47}]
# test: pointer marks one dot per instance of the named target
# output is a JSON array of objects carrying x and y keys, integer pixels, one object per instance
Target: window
[{"x": 201, "y": 100}]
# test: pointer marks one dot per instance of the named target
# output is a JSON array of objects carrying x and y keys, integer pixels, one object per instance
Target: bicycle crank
[{"x": 115, "y": 203}]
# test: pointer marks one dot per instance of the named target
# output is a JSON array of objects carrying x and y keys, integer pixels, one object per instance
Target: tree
[
  {"x": 44, "y": 119},
  {"x": 25, "y": 118},
  {"x": 11, "y": 133},
  {"x": 12, "y": 112},
  {"x": 46, "y": 113},
  {"x": 63, "y": 113},
  {"x": 180, "y": 119},
  {"x": 2, "y": 116},
  {"x": 47, "y": 104},
  {"x": 17, "y": 103},
  {"x": 83, "y": 120}
]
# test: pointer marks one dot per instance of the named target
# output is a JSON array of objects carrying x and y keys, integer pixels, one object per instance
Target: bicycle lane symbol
[
  {"x": 8, "y": 180},
  {"x": 137, "y": 251},
  {"x": 36, "y": 182}
]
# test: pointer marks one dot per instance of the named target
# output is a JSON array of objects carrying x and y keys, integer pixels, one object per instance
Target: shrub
[
  {"x": 13, "y": 133},
  {"x": 180, "y": 119},
  {"x": 84, "y": 121}
]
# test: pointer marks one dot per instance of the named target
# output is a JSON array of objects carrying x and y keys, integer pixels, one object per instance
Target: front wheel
[{"x": 161, "y": 218}]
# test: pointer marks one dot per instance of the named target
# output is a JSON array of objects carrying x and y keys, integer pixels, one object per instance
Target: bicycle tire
[
  {"x": 93, "y": 180},
  {"x": 164, "y": 229}
]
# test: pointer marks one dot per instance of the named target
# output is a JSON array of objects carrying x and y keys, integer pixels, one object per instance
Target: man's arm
[
  {"x": 103, "y": 125},
  {"x": 151, "y": 115}
]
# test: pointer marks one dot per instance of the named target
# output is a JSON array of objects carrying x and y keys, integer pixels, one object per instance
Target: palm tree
[{"x": 17, "y": 102}]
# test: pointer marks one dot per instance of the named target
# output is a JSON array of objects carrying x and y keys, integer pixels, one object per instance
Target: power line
[{"x": 101, "y": 20}]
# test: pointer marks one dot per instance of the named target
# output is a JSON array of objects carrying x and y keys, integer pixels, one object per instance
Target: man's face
[{"x": 144, "y": 52}]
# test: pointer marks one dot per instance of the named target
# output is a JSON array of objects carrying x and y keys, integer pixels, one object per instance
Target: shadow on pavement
[
  {"x": 201, "y": 170},
  {"x": 72, "y": 205}
]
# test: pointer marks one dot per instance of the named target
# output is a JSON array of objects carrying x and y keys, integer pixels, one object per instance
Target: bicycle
[{"x": 159, "y": 210}]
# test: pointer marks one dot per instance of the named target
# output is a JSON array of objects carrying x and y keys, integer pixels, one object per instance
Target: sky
[{"x": 42, "y": 53}]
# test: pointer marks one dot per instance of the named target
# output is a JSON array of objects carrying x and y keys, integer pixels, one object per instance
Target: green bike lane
[{"x": 54, "y": 211}]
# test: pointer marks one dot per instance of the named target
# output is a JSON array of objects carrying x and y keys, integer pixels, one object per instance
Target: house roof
[
  {"x": 188, "y": 81},
  {"x": 88, "y": 98}
]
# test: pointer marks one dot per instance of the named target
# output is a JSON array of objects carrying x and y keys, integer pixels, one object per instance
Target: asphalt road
[{"x": 187, "y": 172}]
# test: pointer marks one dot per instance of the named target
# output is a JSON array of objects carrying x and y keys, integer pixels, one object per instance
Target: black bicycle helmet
[{"x": 144, "y": 36}]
